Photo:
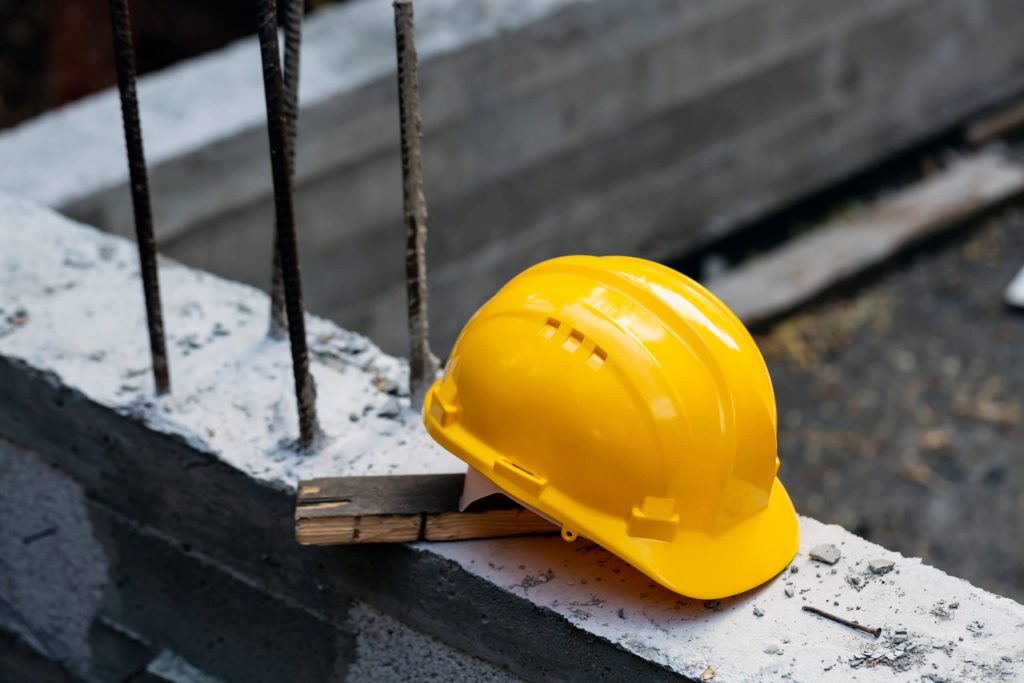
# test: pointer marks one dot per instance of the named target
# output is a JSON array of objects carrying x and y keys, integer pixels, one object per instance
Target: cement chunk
[{"x": 826, "y": 552}]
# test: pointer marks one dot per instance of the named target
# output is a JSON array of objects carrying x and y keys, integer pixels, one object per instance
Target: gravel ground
[{"x": 900, "y": 406}]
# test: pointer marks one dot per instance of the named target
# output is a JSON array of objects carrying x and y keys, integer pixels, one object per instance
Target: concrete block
[{"x": 211, "y": 468}]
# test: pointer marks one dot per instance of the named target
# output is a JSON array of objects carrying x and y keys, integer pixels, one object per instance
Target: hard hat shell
[{"x": 627, "y": 402}]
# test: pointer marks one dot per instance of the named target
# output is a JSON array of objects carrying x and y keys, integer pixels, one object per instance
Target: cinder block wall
[{"x": 551, "y": 126}]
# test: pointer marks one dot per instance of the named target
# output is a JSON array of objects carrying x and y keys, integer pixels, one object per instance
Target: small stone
[
  {"x": 622, "y": 613},
  {"x": 899, "y": 637},
  {"x": 758, "y": 612},
  {"x": 773, "y": 649},
  {"x": 826, "y": 552},
  {"x": 708, "y": 674},
  {"x": 391, "y": 409},
  {"x": 794, "y": 569},
  {"x": 712, "y": 604},
  {"x": 855, "y": 581},
  {"x": 789, "y": 592},
  {"x": 353, "y": 417},
  {"x": 880, "y": 566}
]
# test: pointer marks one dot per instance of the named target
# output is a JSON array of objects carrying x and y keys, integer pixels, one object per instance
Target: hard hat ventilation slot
[
  {"x": 550, "y": 328},
  {"x": 573, "y": 341}
]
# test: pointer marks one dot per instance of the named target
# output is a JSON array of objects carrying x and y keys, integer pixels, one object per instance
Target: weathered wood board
[
  {"x": 770, "y": 285},
  {"x": 401, "y": 508}
]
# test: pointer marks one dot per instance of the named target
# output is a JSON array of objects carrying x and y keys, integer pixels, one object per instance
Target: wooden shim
[
  {"x": 400, "y": 508},
  {"x": 775, "y": 283},
  {"x": 988, "y": 128}
]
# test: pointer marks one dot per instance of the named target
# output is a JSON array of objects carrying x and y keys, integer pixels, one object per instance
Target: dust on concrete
[{"x": 533, "y": 580}]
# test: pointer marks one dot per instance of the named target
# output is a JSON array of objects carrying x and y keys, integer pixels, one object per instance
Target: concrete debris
[
  {"x": 855, "y": 581},
  {"x": 391, "y": 386},
  {"x": 880, "y": 566},
  {"x": 793, "y": 569},
  {"x": 773, "y": 649},
  {"x": 789, "y": 591},
  {"x": 826, "y": 552},
  {"x": 944, "y": 611},
  {"x": 11, "y": 322},
  {"x": 897, "y": 652},
  {"x": 713, "y": 604},
  {"x": 758, "y": 612},
  {"x": 708, "y": 673},
  {"x": 391, "y": 409},
  {"x": 977, "y": 629},
  {"x": 534, "y": 580}
]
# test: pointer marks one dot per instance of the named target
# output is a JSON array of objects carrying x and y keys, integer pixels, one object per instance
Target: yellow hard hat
[{"x": 629, "y": 404}]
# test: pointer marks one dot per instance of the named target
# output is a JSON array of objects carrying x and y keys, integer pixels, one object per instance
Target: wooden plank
[
  {"x": 401, "y": 508},
  {"x": 988, "y": 128},
  {"x": 768, "y": 286}
]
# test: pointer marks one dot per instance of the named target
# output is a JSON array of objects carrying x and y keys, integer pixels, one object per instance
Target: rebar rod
[
  {"x": 292, "y": 51},
  {"x": 124, "y": 61},
  {"x": 422, "y": 364},
  {"x": 285, "y": 240}
]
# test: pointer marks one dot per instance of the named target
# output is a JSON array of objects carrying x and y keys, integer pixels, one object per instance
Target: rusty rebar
[
  {"x": 845, "y": 622},
  {"x": 124, "y": 61},
  {"x": 422, "y": 364},
  {"x": 292, "y": 51},
  {"x": 284, "y": 204}
]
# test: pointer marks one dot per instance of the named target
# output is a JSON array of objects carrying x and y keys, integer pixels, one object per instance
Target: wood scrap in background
[
  {"x": 768, "y": 286},
  {"x": 399, "y": 508},
  {"x": 996, "y": 124}
]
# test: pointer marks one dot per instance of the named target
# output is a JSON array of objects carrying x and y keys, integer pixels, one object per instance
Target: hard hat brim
[
  {"x": 696, "y": 564},
  {"x": 706, "y": 566}
]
